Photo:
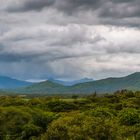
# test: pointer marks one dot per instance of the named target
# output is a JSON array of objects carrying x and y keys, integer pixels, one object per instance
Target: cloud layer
[{"x": 69, "y": 39}]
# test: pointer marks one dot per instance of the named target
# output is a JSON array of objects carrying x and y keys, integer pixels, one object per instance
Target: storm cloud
[{"x": 69, "y": 39}]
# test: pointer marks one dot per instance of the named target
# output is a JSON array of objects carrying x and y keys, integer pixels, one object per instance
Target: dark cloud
[
  {"x": 124, "y": 8},
  {"x": 67, "y": 6},
  {"x": 122, "y": 12},
  {"x": 68, "y": 39},
  {"x": 27, "y": 5}
]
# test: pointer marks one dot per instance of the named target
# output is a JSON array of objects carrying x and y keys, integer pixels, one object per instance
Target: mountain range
[
  {"x": 11, "y": 83},
  {"x": 71, "y": 83},
  {"x": 108, "y": 85}
]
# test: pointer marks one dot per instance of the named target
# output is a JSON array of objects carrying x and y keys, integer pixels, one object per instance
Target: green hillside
[
  {"x": 130, "y": 82},
  {"x": 47, "y": 87}
]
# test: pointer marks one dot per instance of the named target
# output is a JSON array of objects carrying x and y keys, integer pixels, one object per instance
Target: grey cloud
[
  {"x": 57, "y": 43},
  {"x": 111, "y": 12},
  {"x": 124, "y": 49},
  {"x": 124, "y": 8},
  {"x": 69, "y": 39},
  {"x": 120, "y": 10},
  {"x": 67, "y": 6},
  {"x": 27, "y": 5}
]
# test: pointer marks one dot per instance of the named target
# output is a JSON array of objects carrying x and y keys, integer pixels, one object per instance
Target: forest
[{"x": 93, "y": 117}]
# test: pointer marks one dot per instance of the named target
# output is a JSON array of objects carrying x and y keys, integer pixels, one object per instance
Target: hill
[
  {"x": 130, "y": 82},
  {"x": 71, "y": 83},
  {"x": 46, "y": 87},
  {"x": 109, "y": 85},
  {"x": 8, "y": 83}
]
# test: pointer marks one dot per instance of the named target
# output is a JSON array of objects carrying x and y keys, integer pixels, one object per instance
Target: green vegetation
[{"x": 94, "y": 117}]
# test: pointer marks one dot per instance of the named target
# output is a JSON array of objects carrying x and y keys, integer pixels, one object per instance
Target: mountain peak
[
  {"x": 71, "y": 83},
  {"x": 136, "y": 75},
  {"x": 8, "y": 82},
  {"x": 109, "y": 85}
]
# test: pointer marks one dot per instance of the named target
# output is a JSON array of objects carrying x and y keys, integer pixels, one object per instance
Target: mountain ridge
[
  {"x": 10, "y": 83},
  {"x": 108, "y": 85},
  {"x": 71, "y": 83}
]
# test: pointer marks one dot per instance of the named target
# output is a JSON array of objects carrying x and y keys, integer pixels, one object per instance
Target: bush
[
  {"x": 129, "y": 116},
  {"x": 61, "y": 106}
]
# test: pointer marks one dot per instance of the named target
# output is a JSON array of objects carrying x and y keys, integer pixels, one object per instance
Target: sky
[{"x": 69, "y": 39}]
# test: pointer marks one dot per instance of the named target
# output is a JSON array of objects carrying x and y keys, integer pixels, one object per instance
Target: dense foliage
[{"x": 106, "y": 117}]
